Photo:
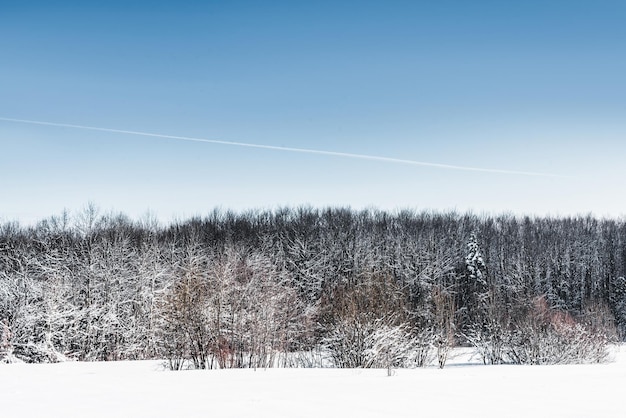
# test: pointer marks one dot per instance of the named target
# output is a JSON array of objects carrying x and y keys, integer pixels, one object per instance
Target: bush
[
  {"x": 542, "y": 335},
  {"x": 366, "y": 342},
  {"x": 491, "y": 341},
  {"x": 549, "y": 336}
]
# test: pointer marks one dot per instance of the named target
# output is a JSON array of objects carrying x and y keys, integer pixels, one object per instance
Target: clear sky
[{"x": 532, "y": 86}]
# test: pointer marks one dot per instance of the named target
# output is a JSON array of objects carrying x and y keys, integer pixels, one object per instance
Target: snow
[{"x": 146, "y": 389}]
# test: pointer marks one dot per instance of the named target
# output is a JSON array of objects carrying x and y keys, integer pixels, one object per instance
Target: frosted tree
[
  {"x": 473, "y": 291},
  {"x": 6, "y": 345},
  {"x": 483, "y": 326},
  {"x": 474, "y": 262}
]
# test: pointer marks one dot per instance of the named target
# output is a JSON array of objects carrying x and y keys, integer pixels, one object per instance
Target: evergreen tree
[{"x": 472, "y": 292}]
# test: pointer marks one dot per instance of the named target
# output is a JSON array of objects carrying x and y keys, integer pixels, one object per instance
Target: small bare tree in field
[
  {"x": 6, "y": 345},
  {"x": 185, "y": 328},
  {"x": 444, "y": 312}
]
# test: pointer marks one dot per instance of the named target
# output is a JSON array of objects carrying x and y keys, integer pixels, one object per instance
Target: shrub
[
  {"x": 366, "y": 342},
  {"x": 549, "y": 336},
  {"x": 540, "y": 334}
]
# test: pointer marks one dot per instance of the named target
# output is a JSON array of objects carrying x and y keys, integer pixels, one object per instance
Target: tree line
[{"x": 312, "y": 286}]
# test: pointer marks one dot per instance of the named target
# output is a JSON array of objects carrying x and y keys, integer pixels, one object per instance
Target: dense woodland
[{"x": 348, "y": 288}]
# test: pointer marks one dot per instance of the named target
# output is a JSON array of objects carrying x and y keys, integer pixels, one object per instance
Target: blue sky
[{"x": 536, "y": 86}]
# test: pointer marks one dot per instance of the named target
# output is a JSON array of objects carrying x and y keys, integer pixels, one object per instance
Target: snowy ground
[{"x": 144, "y": 389}]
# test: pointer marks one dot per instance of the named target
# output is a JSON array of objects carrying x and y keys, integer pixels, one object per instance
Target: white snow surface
[{"x": 145, "y": 389}]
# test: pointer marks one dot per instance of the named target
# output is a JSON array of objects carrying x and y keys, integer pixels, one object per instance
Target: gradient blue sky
[{"x": 527, "y": 86}]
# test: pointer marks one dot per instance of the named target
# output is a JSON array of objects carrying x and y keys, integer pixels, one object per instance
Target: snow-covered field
[{"x": 145, "y": 389}]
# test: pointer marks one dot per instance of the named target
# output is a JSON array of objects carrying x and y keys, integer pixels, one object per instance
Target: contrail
[{"x": 288, "y": 149}]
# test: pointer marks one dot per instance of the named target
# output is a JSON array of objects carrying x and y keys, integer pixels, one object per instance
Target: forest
[{"x": 312, "y": 287}]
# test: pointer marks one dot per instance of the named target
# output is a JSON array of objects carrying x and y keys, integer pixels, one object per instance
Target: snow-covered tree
[
  {"x": 474, "y": 262},
  {"x": 472, "y": 290}
]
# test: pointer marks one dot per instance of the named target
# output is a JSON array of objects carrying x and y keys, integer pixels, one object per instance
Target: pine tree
[
  {"x": 474, "y": 263},
  {"x": 472, "y": 289}
]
